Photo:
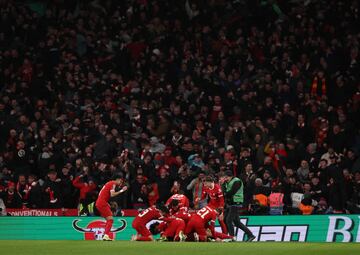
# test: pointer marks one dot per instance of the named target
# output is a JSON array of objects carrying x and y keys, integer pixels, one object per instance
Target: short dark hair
[
  {"x": 154, "y": 228},
  {"x": 229, "y": 173},
  {"x": 118, "y": 176},
  {"x": 174, "y": 203},
  {"x": 162, "y": 208},
  {"x": 209, "y": 179}
]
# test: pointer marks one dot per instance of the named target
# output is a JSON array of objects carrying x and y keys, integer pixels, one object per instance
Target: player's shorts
[
  {"x": 196, "y": 227},
  {"x": 141, "y": 229},
  {"x": 104, "y": 210},
  {"x": 174, "y": 228}
]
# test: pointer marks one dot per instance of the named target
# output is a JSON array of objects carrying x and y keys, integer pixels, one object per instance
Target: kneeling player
[
  {"x": 144, "y": 217},
  {"x": 171, "y": 229},
  {"x": 200, "y": 221}
]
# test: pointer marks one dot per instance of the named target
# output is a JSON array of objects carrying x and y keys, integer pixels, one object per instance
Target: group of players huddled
[{"x": 174, "y": 221}]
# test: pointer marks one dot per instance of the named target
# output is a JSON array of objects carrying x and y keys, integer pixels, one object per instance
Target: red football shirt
[
  {"x": 206, "y": 217},
  {"x": 183, "y": 200},
  {"x": 183, "y": 214},
  {"x": 147, "y": 215},
  {"x": 216, "y": 196},
  {"x": 104, "y": 194}
]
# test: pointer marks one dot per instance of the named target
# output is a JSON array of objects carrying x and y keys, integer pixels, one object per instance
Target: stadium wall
[{"x": 313, "y": 228}]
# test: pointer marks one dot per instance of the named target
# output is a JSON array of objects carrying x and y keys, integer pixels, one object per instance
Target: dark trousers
[{"x": 232, "y": 218}]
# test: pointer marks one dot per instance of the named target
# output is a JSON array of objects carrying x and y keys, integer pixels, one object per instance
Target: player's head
[
  {"x": 118, "y": 178},
  {"x": 228, "y": 175},
  {"x": 162, "y": 208},
  {"x": 174, "y": 204},
  {"x": 209, "y": 182},
  {"x": 154, "y": 228}
]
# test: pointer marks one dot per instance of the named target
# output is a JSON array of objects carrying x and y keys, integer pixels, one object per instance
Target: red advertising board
[{"x": 54, "y": 212}]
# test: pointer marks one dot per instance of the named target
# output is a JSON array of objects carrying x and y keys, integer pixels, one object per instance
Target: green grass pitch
[{"x": 150, "y": 248}]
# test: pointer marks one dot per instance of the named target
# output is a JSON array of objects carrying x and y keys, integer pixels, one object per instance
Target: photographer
[{"x": 234, "y": 198}]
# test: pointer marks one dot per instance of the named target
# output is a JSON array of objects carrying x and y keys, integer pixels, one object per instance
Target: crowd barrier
[{"x": 312, "y": 228}]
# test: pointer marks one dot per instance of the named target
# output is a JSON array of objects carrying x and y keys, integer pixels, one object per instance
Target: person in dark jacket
[
  {"x": 53, "y": 191},
  {"x": 234, "y": 199},
  {"x": 35, "y": 198},
  {"x": 11, "y": 197}
]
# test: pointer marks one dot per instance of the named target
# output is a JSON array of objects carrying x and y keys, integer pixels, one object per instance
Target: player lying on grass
[
  {"x": 219, "y": 237},
  {"x": 102, "y": 203},
  {"x": 172, "y": 229},
  {"x": 157, "y": 212}
]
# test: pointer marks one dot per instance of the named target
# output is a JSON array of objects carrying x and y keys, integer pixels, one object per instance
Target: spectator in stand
[
  {"x": 53, "y": 191},
  {"x": 11, "y": 197},
  {"x": 84, "y": 183},
  {"x": 35, "y": 194},
  {"x": 246, "y": 88},
  {"x": 275, "y": 200}
]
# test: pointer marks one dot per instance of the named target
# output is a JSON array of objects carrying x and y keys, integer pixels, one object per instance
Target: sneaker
[
  {"x": 106, "y": 238},
  {"x": 211, "y": 239},
  {"x": 182, "y": 236},
  {"x": 133, "y": 237},
  {"x": 228, "y": 240},
  {"x": 162, "y": 239},
  {"x": 251, "y": 238},
  {"x": 196, "y": 237}
]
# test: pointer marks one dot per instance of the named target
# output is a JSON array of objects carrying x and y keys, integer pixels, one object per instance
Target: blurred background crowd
[{"x": 170, "y": 91}]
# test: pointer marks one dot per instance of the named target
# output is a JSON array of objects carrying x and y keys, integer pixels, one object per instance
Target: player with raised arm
[
  {"x": 102, "y": 203},
  {"x": 157, "y": 212}
]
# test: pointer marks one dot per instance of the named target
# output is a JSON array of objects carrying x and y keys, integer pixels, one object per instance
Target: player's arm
[
  {"x": 114, "y": 193},
  {"x": 221, "y": 199},
  {"x": 212, "y": 227}
]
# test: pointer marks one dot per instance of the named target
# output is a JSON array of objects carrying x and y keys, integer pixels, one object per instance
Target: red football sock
[
  {"x": 223, "y": 226},
  {"x": 108, "y": 226},
  {"x": 222, "y": 236},
  {"x": 144, "y": 238}
]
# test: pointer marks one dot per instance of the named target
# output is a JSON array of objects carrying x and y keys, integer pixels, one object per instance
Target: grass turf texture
[{"x": 150, "y": 248}]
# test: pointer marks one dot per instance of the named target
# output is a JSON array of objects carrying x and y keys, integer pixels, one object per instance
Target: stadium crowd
[{"x": 170, "y": 92}]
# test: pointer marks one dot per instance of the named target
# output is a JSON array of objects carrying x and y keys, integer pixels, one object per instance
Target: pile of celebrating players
[{"x": 174, "y": 221}]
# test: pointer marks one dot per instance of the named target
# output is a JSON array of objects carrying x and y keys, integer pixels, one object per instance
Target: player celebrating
[
  {"x": 171, "y": 229},
  {"x": 216, "y": 198},
  {"x": 200, "y": 221},
  {"x": 183, "y": 200},
  {"x": 139, "y": 224},
  {"x": 179, "y": 212},
  {"x": 102, "y": 203}
]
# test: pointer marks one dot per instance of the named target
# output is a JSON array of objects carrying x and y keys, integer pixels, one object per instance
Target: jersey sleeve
[
  {"x": 112, "y": 187},
  {"x": 221, "y": 197},
  {"x": 203, "y": 194}
]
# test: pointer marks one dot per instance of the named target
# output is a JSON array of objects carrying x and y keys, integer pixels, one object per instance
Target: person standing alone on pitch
[
  {"x": 234, "y": 197},
  {"x": 102, "y": 203}
]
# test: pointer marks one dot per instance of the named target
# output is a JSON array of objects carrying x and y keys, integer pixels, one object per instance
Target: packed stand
[{"x": 169, "y": 92}]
